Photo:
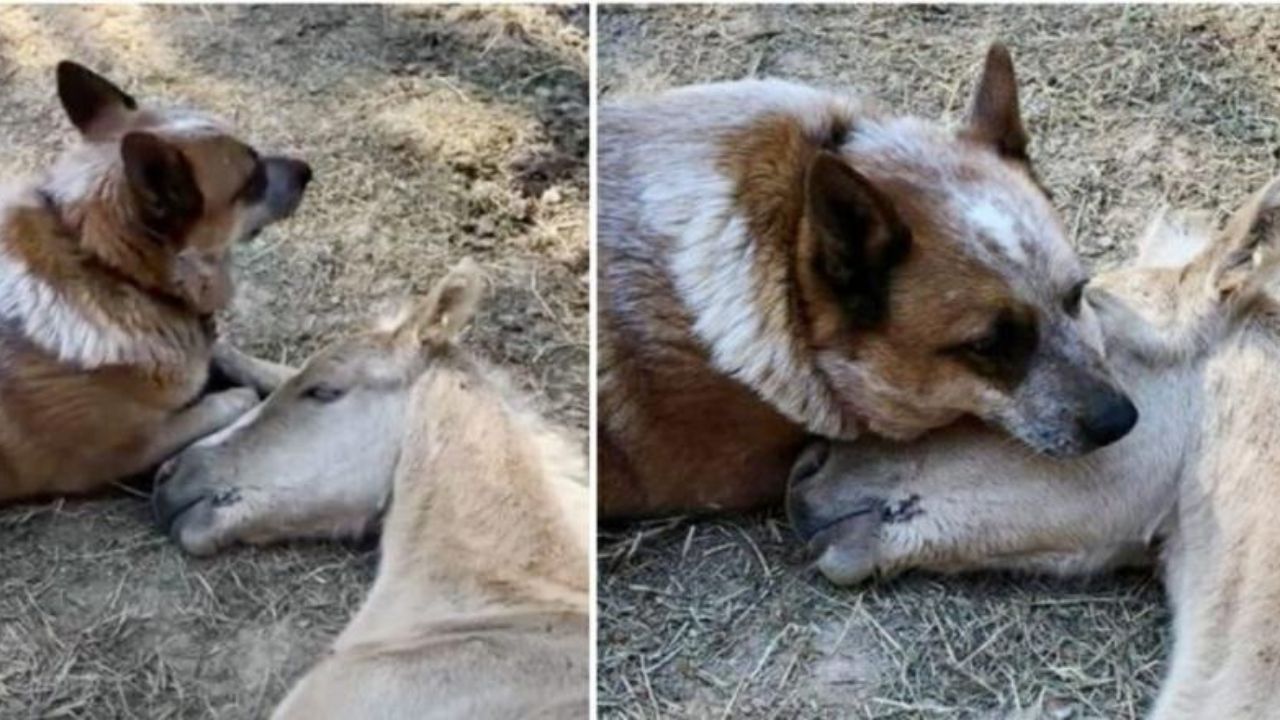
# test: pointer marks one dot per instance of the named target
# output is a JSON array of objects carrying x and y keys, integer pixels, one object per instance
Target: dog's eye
[
  {"x": 1071, "y": 302},
  {"x": 323, "y": 393},
  {"x": 1008, "y": 342},
  {"x": 1003, "y": 353},
  {"x": 988, "y": 346}
]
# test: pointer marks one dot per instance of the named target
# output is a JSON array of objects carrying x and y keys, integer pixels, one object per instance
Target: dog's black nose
[
  {"x": 304, "y": 174},
  {"x": 1107, "y": 418}
]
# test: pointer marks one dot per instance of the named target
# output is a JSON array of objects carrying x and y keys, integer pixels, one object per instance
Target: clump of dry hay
[
  {"x": 435, "y": 133},
  {"x": 1127, "y": 107}
]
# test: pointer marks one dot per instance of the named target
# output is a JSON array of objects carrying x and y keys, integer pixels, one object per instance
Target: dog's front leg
[
  {"x": 245, "y": 370},
  {"x": 209, "y": 414}
]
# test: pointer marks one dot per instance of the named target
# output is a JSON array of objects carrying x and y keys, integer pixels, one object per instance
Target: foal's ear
[
  {"x": 1174, "y": 238},
  {"x": 1247, "y": 255},
  {"x": 449, "y": 306}
]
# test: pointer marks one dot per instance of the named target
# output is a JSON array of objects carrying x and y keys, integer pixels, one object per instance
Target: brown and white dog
[
  {"x": 111, "y": 267},
  {"x": 778, "y": 260}
]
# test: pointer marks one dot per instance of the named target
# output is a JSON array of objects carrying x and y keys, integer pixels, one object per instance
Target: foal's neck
[{"x": 484, "y": 517}]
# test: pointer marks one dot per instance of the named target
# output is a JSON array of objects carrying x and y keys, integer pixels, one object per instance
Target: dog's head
[
  {"x": 938, "y": 282},
  {"x": 162, "y": 194}
]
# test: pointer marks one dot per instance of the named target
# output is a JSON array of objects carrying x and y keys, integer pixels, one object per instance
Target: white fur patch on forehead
[
  {"x": 720, "y": 106},
  {"x": 185, "y": 122},
  {"x": 79, "y": 171},
  {"x": 1004, "y": 218},
  {"x": 1011, "y": 227},
  {"x": 901, "y": 140},
  {"x": 997, "y": 227},
  {"x": 1018, "y": 236}
]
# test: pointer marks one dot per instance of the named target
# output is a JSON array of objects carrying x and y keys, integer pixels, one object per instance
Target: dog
[
  {"x": 778, "y": 260},
  {"x": 112, "y": 266},
  {"x": 1193, "y": 328}
]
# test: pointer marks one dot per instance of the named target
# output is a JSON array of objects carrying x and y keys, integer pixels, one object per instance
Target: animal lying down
[
  {"x": 480, "y": 606},
  {"x": 777, "y": 260},
  {"x": 1193, "y": 334},
  {"x": 113, "y": 264}
]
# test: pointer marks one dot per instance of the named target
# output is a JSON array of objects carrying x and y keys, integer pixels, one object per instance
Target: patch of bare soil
[
  {"x": 1128, "y": 107},
  {"x": 435, "y": 133}
]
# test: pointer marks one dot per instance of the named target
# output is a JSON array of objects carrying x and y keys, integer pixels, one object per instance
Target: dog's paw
[{"x": 229, "y": 405}]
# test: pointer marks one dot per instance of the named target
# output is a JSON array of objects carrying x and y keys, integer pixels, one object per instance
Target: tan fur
[
  {"x": 1198, "y": 343},
  {"x": 106, "y": 330},
  {"x": 480, "y": 607},
  {"x": 723, "y": 343}
]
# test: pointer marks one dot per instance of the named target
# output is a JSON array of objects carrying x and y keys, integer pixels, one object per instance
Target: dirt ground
[
  {"x": 435, "y": 133},
  {"x": 1127, "y": 107}
]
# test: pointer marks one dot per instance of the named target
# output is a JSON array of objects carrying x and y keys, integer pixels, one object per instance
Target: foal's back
[
  {"x": 534, "y": 666},
  {"x": 1223, "y": 571}
]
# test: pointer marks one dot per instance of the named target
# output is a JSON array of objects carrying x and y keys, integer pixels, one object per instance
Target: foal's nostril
[
  {"x": 804, "y": 521},
  {"x": 165, "y": 505},
  {"x": 173, "y": 492},
  {"x": 1108, "y": 418},
  {"x": 165, "y": 471},
  {"x": 810, "y": 461}
]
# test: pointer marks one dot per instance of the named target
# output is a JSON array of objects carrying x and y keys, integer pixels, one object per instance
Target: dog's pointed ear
[
  {"x": 994, "y": 117},
  {"x": 95, "y": 106},
  {"x": 162, "y": 182},
  {"x": 1246, "y": 257},
  {"x": 858, "y": 234},
  {"x": 448, "y": 307}
]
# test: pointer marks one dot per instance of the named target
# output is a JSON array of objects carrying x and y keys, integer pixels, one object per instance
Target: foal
[{"x": 480, "y": 606}]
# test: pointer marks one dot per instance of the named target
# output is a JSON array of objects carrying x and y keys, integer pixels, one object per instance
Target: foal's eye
[
  {"x": 323, "y": 393},
  {"x": 1071, "y": 301}
]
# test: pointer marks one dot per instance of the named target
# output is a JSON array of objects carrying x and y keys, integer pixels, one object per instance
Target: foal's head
[{"x": 316, "y": 457}]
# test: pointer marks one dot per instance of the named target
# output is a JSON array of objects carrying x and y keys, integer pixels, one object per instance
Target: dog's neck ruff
[
  {"x": 745, "y": 322},
  {"x": 73, "y": 326}
]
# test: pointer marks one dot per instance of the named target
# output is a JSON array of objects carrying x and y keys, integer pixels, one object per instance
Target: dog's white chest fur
[{"x": 74, "y": 332}]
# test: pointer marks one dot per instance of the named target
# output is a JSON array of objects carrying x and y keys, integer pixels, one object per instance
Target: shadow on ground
[
  {"x": 436, "y": 132},
  {"x": 1128, "y": 106}
]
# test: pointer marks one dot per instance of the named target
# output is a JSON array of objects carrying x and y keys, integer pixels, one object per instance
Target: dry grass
[
  {"x": 1128, "y": 107},
  {"x": 435, "y": 133}
]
